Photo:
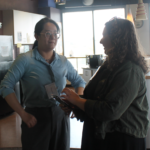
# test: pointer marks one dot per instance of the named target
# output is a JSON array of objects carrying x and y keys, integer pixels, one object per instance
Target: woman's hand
[
  {"x": 70, "y": 96},
  {"x": 29, "y": 119},
  {"x": 73, "y": 98}
]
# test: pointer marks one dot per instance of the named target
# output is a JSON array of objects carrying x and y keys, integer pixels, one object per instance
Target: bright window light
[
  {"x": 78, "y": 33},
  {"x": 100, "y": 18}
]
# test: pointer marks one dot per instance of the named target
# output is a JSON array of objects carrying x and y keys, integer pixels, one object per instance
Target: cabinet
[
  {"x": 53, "y": 13},
  {"x": 88, "y": 73},
  {"x": 21, "y": 25}
]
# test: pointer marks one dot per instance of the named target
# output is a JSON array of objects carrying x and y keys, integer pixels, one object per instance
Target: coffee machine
[{"x": 94, "y": 61}]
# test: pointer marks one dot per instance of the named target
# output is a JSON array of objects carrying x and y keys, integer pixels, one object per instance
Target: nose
[
  {"x": 52, "y": 36},
  {"x": 101, "y": 41}
]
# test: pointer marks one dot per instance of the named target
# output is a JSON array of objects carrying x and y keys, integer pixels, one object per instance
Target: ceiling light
[
  {"x": 87, "y": 2},
  {"x": 141, "y": 12},
  {"x": 130, "y": 16}
]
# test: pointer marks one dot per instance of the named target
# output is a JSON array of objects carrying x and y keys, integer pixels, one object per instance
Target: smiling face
[
  {"x": 47, "y": 43},
  {"x": 106, "y": 42}
]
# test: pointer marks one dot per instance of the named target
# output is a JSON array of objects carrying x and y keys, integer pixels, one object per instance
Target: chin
[
  {"x": 49, "y": 48},
  {"x": 105, "y": 52}
]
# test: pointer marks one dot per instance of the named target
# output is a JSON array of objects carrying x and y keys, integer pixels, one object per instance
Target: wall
[
  {"x": 143, "y": 32},
  {"x": 1, "y": 18},
  {"x": 24, "y": 5},
  {"x": 51, "y": 12},
  {"x": 46, "y": 3}
]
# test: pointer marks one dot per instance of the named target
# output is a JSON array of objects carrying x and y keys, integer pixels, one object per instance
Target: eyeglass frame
[{"x": 50, "y": 34}]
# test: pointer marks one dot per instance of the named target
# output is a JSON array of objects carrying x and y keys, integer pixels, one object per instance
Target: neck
[{"x": 47, "y": 55}]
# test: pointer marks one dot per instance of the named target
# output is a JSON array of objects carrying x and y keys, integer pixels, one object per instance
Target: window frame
[{"x": 93, "y": 8}]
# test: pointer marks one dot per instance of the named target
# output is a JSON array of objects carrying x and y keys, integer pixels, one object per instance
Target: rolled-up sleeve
[
  {"x": 13, "y": 75},
  {"x": 124, "y": 90},
  {"x": 72, "y": 75}
]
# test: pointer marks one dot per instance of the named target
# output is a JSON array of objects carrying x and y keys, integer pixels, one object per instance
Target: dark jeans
[
  {"x": 120, "y": 141},
  {"x": 52, "y": 131},
  {"x": 115, "y": 141}
]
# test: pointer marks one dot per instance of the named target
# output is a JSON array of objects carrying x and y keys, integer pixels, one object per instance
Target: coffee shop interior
[{"x": 81, "y": 25}]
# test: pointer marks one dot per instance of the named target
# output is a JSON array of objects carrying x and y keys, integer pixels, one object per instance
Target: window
[
  {"x": 100, "y": 18},
  {"x": 78, "y": 34},
  {"x": 82, "y": 32}
]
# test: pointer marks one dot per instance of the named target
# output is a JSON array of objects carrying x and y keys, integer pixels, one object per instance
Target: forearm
[
  {"x": 79, "y": 90},
  {"x": 80, "y": 103},
  {"x": 12, "y": 101},
  {"x": 29, "y": 119}
]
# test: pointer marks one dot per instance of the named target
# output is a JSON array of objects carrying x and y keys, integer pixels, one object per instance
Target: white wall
[
  {"x": 143, "y": 32},
  {"x": 24, "y": 24}
]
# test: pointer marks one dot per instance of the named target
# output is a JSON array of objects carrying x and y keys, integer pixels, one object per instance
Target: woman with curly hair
[{"x": 114, "y": 106}]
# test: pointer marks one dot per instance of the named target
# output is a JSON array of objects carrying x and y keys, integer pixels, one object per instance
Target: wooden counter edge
[{"x": 147, "y": 77}]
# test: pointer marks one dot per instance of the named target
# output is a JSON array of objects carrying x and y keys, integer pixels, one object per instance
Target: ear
[{"x": 36, "y": 37}]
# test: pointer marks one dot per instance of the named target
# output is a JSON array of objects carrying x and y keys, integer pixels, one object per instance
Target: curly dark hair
[{"x": 126, "y": 46}]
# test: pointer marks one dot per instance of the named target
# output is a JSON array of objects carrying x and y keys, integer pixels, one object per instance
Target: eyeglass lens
[{"x": 48, "y": 35}]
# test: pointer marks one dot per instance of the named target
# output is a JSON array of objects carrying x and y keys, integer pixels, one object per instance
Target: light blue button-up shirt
[{"x": 34, "y": 73}]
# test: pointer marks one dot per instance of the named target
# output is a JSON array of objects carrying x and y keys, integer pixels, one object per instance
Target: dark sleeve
[
  {"x": 80, "y": 115},
  {"x": 124, "y": 89}
]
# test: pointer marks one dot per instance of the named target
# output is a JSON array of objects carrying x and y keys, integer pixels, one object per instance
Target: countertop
[{"x": 147, "y": 76}]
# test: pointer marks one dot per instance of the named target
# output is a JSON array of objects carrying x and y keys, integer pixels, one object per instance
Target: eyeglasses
[{"x": 50, "y": 34}]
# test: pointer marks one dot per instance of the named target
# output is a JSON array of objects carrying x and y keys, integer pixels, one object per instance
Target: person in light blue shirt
[{"x": 44, "y": 124}]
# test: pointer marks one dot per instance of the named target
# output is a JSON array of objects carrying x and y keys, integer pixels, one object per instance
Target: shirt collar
[{"x": 37, "y": 55}]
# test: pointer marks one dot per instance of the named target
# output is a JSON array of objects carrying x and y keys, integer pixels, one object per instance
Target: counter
[{"x": 147, "y": 76}]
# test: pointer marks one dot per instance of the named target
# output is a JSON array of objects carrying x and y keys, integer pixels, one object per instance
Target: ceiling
[{"x": 78, "y": 3}]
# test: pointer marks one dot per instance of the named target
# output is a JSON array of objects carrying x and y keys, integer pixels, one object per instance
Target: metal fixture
[
  {"x": 60, "y": 2},
  {"x": 0, "y": 25},
  {"x": 87, "y": 2}
]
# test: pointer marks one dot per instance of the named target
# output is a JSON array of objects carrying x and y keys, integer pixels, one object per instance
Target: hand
[
  {"x": 70, "y": 96},
  {"x": 29, "y": 119},
  {"x": 67, "y": 110}
]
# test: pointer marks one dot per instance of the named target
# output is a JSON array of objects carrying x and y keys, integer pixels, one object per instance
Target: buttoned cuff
[
  {"x": 80, "y": 85},
  {"x": 5, "y": 91}
]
